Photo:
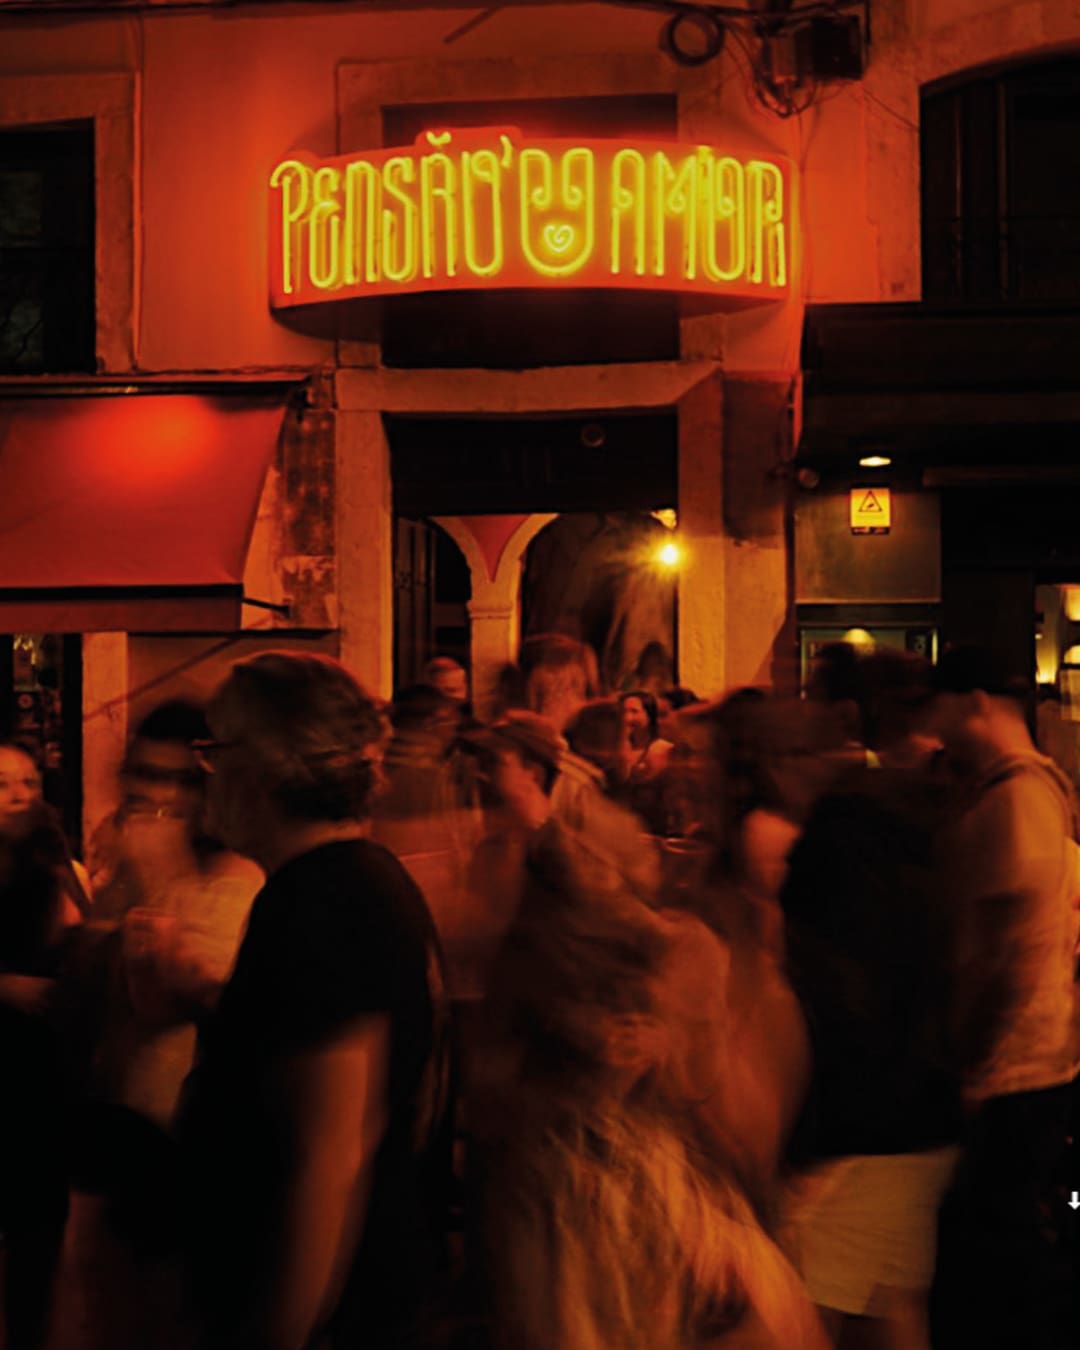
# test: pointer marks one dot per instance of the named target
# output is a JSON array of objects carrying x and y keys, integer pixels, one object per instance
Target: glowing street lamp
[{"x": 669, "y": 554}]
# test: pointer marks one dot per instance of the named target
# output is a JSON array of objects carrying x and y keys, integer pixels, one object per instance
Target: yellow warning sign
[{"x": 870, "y": 510}]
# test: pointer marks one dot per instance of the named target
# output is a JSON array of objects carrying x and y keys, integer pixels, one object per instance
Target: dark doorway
[{"x": 431, "y": 596}]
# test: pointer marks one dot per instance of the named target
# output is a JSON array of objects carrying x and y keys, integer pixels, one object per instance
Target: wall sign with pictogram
[{"x": 870, "y": 510}]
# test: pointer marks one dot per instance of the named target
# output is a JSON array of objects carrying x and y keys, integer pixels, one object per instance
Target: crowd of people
[{"x": 615, "y": 1021}]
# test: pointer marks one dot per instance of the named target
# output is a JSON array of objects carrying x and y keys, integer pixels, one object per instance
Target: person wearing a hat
[{"x": 523, "y": 752}]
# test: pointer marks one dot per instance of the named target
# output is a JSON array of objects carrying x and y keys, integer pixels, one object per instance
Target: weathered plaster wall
[
  {"x": 212, "y": 100},
  {"x": 220, "y": 96}
]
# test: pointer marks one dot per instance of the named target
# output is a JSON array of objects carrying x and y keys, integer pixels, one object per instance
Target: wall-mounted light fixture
[{"x": 669, "y": 554}]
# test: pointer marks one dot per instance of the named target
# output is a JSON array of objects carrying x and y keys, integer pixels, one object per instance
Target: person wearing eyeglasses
[
  {"x": 314, "y": 1124},
  {"x": 174, "y": 901},
  {"x": 170, "y": 905}
]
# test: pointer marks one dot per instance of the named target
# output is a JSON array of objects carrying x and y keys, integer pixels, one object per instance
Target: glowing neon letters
[{"x": 482, "y": 208}]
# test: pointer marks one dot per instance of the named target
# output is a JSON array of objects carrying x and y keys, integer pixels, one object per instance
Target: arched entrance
[{"x": 606, "y": 579}]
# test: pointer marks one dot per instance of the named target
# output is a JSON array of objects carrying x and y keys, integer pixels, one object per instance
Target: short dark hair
[
  {"x": 834, "y": 673},
  {"x": 965, "y": 668},
  {"x": 894, "y": 688},
  {"x": 419, "y": 704},
  {"x": 311, "y": 728},
  {"x": 531, "y": 737},
  {"x": 594, "y": 731},
  {"x": 177, "y": 719},
  {"x": 652, "y": 712}
]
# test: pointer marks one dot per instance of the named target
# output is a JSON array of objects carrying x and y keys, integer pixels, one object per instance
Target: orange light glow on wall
[{"x": 483, "y": 208}]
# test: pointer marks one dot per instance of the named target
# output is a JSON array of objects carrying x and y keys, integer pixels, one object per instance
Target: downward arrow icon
[{"x": 1074, "y": 1200}]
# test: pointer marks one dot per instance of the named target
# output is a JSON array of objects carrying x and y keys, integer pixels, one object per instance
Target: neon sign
[{"x": 485, "y": 208}]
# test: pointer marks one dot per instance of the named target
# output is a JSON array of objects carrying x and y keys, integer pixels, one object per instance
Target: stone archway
[
  {"x": 598, "y": 577},
  {"x": 495, "y": 559}
]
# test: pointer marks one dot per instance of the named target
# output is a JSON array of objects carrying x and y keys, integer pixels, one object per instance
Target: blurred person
[
  {"x": 619, "y": 1128},
  {"x": 893, "y": 690},
  {"x": 643, "y": 753},
  {"x": 426, "y": 783},
  {"x": 427, "y": 814},
  {"x": 42, "y": 900},
  {"x": 449, "y": 677},
  {"x": 638, "y": 779},
  {"x": 595, "y": 734},
  {"x": 669, "y": 705},
  {"x": 558, "y": 676},
  {"x": 749, "y": 768},
  {"x": 146, "y": 974},
  {"x": 1013, "y": 876},
  {"x": 654, "y": 672},
  {"x": 509, "y": 691},
  {"x": 170, "y": 907},
  {"x": 865, "y": 709},
  {"x": 832, "y": 693},
  {"x": 314, "y": 1121},
  {"x": 869, "y": 947},
  {"x": 416, "y": 768},
  {"x": 766, "y": 748},
  {"x": 519, "y": 759},
  {"x": 703, "y": 874},
  {"x": 558, "y": 685}
]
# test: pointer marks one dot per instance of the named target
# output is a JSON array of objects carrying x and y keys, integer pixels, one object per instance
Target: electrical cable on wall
[{"x": 789, "y": 50}]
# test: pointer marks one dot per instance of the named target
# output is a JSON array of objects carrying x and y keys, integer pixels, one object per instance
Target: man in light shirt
[{"x": 1014, "y": 875}]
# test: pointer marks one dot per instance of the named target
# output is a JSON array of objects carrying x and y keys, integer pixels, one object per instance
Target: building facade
[{"x": 341, "y": 455}]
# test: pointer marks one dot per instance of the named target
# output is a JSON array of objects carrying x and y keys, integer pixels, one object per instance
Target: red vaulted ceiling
[{"x": 130, "y": 511}]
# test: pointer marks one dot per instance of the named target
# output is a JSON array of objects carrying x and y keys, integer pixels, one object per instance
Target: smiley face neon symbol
[{"x": 559, "y": 237}]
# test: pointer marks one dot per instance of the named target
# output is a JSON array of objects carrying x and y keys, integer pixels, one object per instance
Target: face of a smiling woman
[{"x": 20, "y": 788}]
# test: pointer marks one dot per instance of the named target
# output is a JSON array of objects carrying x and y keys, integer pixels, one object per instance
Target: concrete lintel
[
  {"x": 430, "y": 79},
  {"x": 645, "y": 384}
]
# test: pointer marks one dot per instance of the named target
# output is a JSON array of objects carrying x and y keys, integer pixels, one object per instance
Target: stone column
[
  {"x": 105, "y": 723},
  {"x": 493, "y": 641},
  {"x": 702, "y": 610},
  {"x": 365, "y": 561}
]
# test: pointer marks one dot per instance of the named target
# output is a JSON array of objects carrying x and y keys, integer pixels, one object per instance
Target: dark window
[
  {"x": 47, "y": 249},
  {"x": 1001, "y": 185},
  {"x": 517, "y": 329}
]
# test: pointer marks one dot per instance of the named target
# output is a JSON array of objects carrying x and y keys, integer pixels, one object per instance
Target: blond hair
[{"x": 609, "y": 1233}]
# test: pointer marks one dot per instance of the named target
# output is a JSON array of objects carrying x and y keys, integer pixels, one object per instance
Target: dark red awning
[{"x": 130, "y": 512}]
